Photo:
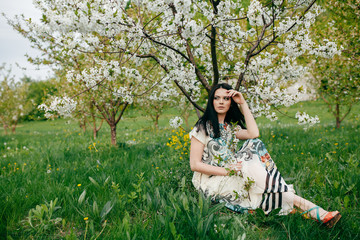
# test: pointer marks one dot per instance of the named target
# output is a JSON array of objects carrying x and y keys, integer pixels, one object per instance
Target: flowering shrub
[{"x": 180, "y": 142}]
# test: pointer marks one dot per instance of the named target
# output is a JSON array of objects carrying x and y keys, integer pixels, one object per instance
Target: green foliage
[
  {"x": 13, "y": 99},
  {"x": 40, "y": 219},
  {"x": 338, "y": 79},
  {"x": 38, "y": 92}
]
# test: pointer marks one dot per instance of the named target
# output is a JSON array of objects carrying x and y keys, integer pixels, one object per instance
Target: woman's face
[{"x": 221, "y": 101}]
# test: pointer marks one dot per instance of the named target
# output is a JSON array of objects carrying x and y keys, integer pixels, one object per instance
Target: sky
[{"x": 13, "y": 46}]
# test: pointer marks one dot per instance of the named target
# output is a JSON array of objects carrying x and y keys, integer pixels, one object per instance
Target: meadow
[{"x": 57, "y": 182}]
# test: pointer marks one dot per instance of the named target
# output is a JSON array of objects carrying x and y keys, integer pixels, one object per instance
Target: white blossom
[
  {"x": 304, "y": 118},
  {"x": 176, "y": 122}
]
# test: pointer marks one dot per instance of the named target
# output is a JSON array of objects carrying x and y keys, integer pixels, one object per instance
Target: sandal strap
[{"x": 317, "y": 212}]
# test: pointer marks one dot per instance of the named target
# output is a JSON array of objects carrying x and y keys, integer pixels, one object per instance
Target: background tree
[
  {"x": 97, "y": 77},
  {"x": 38, "y": 92},
  {"x": 13, "y": 99},
  {"x": 339, "y": 78},
  {"x": 162, "y": 96}
]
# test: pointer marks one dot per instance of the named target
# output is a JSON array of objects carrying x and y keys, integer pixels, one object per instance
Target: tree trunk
[
  {"x": 13, "y": 127},
  {"x": 157, "y": 121},
  {"x": 338, "y": 122},
  {"x": 95, "y": 132},
  {"x": 5, "y": 126},
  {"x": 83, "y": 126},
  {"x": 95, "y": 129},
  {"x": 337, "y": 116},
  {"x": 113, "y": 134}
]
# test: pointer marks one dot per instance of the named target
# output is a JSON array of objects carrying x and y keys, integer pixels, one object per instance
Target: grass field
[{"x": 56, "y": 182}]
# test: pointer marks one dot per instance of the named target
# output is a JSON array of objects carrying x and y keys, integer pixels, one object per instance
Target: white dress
[{"x": 261, "y": 184}]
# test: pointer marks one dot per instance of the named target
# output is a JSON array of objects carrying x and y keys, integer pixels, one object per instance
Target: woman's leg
[
  {"x": 316, "y": 212},
  {"x": 305, "y": 205}
]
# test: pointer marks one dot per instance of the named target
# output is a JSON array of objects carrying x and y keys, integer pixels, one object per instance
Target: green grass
[{"x": 144, "y": 191}]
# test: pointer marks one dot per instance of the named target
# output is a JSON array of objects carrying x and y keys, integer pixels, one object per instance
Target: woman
[{"x": 244, "y": 179}]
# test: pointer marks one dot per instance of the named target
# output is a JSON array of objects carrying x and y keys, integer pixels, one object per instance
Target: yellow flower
[
  {"x": 346, "y": 143},
  {"x": 86, "y": 218},
  {"x": 79, "y": 185},
  {"x": 14, "y": 163},
  {"x": 24, "y": 164},
  {"x": 336, "y": 144},
  {"x": 157, "y": 167},
  {"x": 302, "y": 153}
]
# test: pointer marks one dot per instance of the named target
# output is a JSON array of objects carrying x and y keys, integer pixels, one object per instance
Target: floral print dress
[{"x": 259, "y": 185}]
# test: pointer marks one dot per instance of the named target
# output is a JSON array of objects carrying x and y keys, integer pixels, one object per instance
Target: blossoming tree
[
  {"x": 99, "y": 74},
  {"x": 339, "y": 78},
  {"x": 196, "y": 43},
  {"x": 13, "y": 100},
  {"x": 199, "y": 43}
]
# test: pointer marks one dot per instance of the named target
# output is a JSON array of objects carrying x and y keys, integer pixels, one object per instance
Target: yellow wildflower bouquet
[{"x": 180, "y": 142}]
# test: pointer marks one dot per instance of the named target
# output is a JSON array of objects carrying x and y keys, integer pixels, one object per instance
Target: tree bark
[
  {"x": 13, "y": 128},
  {"x": 157, "y": 121},
  {"x": 213, "y": 56},
  {"x": 96, "y": 130},
  {"x": 82, "y": 124},
  {"x": 337, "y": 115},
  {"x": 113, "y": 134},
  {"x": 5, "y": 129}
]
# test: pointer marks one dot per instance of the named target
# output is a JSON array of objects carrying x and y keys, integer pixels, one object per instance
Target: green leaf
[
  {"x": 106, "y": 209},
  {"x": 346, "y": 201},
  {"x": 106, "y": 180},
  {"x": 94, "y": 182},
  {"x": 172, "y": 229},
  {"x": 95, "y": 208},
  {"x": 82, "y": 197}
]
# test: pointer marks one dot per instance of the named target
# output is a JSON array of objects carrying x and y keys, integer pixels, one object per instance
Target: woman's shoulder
[{"x": 199, "y": 133}]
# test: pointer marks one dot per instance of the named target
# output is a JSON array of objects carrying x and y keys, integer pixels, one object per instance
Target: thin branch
[
  {"x": 346, "y": 113},
  {"x": 188, "y": 96},
  {"x": 167, "y": 46},
  {"x": 122, "y": 112}
]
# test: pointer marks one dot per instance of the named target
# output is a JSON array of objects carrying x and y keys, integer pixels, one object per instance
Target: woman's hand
[
  {"x": 236, "y": 96},
  {"x": 235, "y": 168}
]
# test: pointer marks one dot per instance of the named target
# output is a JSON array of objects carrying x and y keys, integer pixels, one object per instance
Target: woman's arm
[
  {"x": 252, "y": 130},
  {"x": 196, "y": 152}
]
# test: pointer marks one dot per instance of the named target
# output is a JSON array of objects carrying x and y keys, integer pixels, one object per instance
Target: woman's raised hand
[{"x": 236, "y": 96}]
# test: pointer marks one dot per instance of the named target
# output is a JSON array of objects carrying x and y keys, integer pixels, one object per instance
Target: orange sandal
[{"x": 330, "y": 219}]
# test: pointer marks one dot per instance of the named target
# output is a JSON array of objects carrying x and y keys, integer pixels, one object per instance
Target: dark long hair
[{"x": 210, "y": 115}]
